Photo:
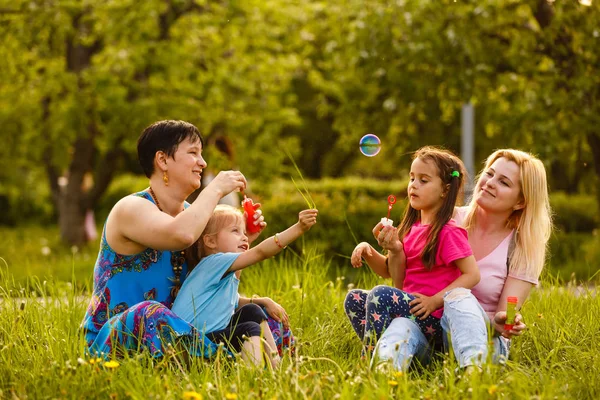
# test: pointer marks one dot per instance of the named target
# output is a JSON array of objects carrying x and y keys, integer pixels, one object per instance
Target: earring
[{"x": 166, "y": 178}]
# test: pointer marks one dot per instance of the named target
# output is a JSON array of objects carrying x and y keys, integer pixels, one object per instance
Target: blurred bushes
[
  {"x": 120, "y": 187},
  {"x": 350, "y": 207},
  {"x": 574, "y": 213}
]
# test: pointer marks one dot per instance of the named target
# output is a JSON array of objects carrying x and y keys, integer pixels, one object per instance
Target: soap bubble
[{"x": 370, "y": 145}]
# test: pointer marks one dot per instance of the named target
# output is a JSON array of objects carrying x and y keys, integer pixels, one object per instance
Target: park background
[{"x": 80, "y": 80}]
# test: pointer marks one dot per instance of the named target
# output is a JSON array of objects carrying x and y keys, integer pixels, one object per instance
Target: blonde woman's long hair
[{"x": 533, "y": 223}]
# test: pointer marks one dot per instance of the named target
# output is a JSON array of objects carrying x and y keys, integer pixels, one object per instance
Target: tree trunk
[
  {"x": 71, "y": 218},
  {"x": 73, "y": 201},
  {"x": 594, "y": 142}
]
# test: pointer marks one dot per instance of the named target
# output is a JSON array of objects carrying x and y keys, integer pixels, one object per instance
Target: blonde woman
[{"x": 509, "y": 223}]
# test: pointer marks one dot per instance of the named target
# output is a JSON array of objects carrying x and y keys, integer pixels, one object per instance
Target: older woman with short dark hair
[{"x": 141, "y": 263}]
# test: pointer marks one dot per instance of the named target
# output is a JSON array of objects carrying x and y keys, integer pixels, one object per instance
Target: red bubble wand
[
  {"x": 391, "y": 202},
  {"x": 387, "y": 221}
]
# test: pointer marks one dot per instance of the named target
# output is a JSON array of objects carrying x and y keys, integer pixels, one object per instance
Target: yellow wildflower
[
  {"x": 398, "y": 374},
  {"x": 492, "y": 389},
  {"x": 540, "y": 316},
  {"x": 231, "y": 396},
  {"x": 111, "y": 364},
  {"x": 393, "y": 383},
  {"x": 192, "y": 396}
]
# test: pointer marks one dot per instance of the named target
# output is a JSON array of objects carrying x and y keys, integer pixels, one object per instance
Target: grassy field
[{"x": 42, "y": 354}]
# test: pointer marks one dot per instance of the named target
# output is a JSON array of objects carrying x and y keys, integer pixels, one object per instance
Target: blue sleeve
[{"x": 211, "y": 269}]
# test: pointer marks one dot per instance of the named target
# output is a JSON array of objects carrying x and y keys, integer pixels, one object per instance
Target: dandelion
[
  {"x": 191, "y": 395},
  {"x": 492, "y": 389},
  {"x": 231, "y": 396},
  {"x": 398, "y": 374},
  {"x": 392, "y": 383},
  {"x": 111, "y": 364},
  {"x": 96, "y": 360},
  {"x": 540, "y": 316}
]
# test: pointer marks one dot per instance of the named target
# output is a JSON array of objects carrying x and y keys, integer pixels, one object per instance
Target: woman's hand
[
  {"x": 423, "y": 305},
  {"x": 517, "y": 329},
  {"x": 307, "y": 218},
  {"x": 357, "y": 254},
  {"x": 275, "y": 311},
  {"x": 228, "y": 181},
  {"x": 259, "y": 219}
]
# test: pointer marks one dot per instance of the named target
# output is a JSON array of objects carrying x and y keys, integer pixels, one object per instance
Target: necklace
[{"x": 177, "y": 258}]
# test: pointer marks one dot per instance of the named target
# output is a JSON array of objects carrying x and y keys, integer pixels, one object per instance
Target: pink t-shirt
[
  {"x": 493, "y": 270},
  {"x": 453, "y": 245}
]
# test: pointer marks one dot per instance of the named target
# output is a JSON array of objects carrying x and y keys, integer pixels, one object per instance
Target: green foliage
[
  {"x": 574, "y": 255},
  {"x": 345, "y": 187},
  {"x": 312, "y": 77},
  {"x": 574, "y": 213},
  {"x": 348, "y": 208},
  {"x": 43, "y": 350},
  {"x": 120, "y": 187}
]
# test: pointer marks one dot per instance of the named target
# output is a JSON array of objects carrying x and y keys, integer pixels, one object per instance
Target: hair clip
[{"x": 455, "y": 174}]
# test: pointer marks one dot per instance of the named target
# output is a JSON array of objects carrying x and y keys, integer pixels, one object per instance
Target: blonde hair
[
  {"x": 532, "y": 223},
  {"x": 223, "y": 216}
]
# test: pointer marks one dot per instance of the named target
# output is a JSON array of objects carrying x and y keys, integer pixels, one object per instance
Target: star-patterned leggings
[{"x": 371, "y": 312}]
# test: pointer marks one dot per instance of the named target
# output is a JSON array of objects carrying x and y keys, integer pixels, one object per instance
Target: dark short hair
[{"x": 164, "y": 136}]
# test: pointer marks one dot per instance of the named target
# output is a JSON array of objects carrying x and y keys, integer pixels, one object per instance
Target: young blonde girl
[
  {"x": 209, "y": 298},
  {"x": 428, "y": 254}
]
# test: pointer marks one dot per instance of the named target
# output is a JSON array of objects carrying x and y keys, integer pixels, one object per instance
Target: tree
[{"x": 91, "y": 75}]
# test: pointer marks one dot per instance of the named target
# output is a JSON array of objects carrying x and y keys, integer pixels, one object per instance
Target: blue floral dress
[
  {"x": 130, "y": 305},
  {"x": 130, "y": 308}
]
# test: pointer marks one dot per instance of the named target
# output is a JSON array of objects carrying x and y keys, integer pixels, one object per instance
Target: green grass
[
  {"x": 36, "y": 251},
  {"x": 42, "y": 356}
]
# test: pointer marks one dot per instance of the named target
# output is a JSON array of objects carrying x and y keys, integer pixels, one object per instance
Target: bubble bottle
[
  {"x": 511, "y": 312},
  {"x": 250, "y": 209}
]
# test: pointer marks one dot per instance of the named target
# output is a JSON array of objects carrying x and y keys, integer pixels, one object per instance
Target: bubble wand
[{"x": 387, "y": 221}]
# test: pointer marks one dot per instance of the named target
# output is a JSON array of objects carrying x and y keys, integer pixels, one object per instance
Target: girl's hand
[
  {"x": 388, "y": 239},
  {"x": 423, "y": 305},
  {"x": 276, "y": 312},
  {"x": 357, "y": 254},
  {"x": 377, "y": 230},
  {"x": 259, "y": 219},
  {"x": 517, "y": 329},
  {"x": 228, "y": 181},
  {"x": 307, "y": 218}
]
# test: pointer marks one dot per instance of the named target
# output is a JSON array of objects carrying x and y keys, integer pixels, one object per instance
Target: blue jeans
[{"x": 464, "y": 321}]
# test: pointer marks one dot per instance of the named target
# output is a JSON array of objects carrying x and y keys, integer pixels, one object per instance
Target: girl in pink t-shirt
[{"x": 428, "y": 254}]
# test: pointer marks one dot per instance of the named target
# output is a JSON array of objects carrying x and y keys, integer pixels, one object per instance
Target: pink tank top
[{"x": 493, "y": 271}]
